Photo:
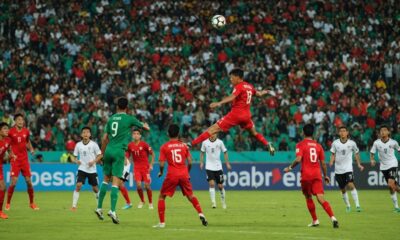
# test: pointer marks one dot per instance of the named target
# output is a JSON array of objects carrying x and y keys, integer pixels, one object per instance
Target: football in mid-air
[{"x": 218, "y": 21}]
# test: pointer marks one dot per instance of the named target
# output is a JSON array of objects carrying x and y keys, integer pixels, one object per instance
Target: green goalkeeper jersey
[{"x": 119, "y": 129}]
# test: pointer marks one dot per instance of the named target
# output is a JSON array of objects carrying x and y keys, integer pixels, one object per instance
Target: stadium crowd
[{"x": 63, "y": 63}]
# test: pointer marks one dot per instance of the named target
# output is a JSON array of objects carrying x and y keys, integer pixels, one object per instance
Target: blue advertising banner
[{"x": 244, "y": 176}]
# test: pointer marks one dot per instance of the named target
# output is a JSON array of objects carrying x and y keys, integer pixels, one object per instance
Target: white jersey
[
  {"x": 344, "y": 155},
  {"x": 86, "y": 153},
  {"x": 213, "y": 153},
  {"x": 386, "y": 153}
]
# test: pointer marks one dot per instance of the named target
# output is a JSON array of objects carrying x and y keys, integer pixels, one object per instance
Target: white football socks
[
  {"x": 346, "y": 199},
  {"x": 212, "y": 195},
  {"x": 394, "y": 199},
  {"x": 354, "y": 194},
  {"x": 75, "y": 198}
]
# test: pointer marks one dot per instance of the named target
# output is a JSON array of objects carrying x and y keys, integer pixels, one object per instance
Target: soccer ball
[{"x": 218, "y": 21}]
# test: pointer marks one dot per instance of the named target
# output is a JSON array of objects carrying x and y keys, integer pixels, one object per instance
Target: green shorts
[{"x": 113, "y": 162}]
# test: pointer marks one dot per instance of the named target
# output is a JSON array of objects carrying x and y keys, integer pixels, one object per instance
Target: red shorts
[
  {"x": 1, "y": 172},
  {"x": 24, "y": 168},
  {"x": 312, "y": 187},
  {"x": 170, "y": 183},
  {"x": 142, "y": 175},
  {"x": 235, "y": 118}
]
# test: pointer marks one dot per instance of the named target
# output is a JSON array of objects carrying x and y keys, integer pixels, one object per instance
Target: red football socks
[
  {"x": 150, "y": 196},
  {"x": 328, "y": 209},
  {"x": 161, "y": 210},
  {"x": 2, "y": 194},
  {"x": 261, "y": 139},
  {"x": 10, "y": 193},
  {"x": 201, "y": 138},
  {"x": 124, "y": 193},
  {"x": 31, "y": 195},
  {"x": 140, "y": 192},
  {"x": 196, "y": 205},
  {"x": 311, "y": 209}
]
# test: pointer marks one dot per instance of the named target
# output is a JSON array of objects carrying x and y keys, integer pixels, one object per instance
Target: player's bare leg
[
  {"x": 2, "y": 195},
  {"x": 149, "y": 195},
  {"x": 354, "y": 194},
  {"x": 327, "y": 207},
  {"x": 31, "y": 193},
  {"x": 211, "y": 185},
  {"x": 222, "y": 191},
  {"x": 75, "y": 196},
  {"x": 311, "y": 209},
  {"x": 140, "y": 193},
  {"x": 393, "y": 194},
  {"x": 125, "y": 194},
  {"x": 10, "y": 192},
  {"x": 116, "y": 182},
  {"x": 205, "y": 135},
  {"x": 161, "y": 211},
  {"x": 197, "y": 206},
  {"x": 102, "y": 194},
  {"x": 261, "y": 139}
]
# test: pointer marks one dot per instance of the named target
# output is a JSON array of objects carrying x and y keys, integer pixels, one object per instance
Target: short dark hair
[
  {"x": 308, "y": 130},
  {"x": 237, "y": 72},
  {"x": 122, "y": 103},
  {"x": 384, "y": 126},
  {"x": 18, "y": 115},
  {"x": 86, "y": 128},
  {"x": 137, "y": 130},
  {"x": 173, "y": 131},
  {"x": 343, "y": 127},
  {"x": 3, "y": 124}
]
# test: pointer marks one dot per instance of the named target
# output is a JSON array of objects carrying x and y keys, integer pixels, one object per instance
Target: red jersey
[
  {"x": 244, "y": 92},
  {"x": 140, "y": 154},
  {"x": 176, "y": 153},
  {"x": 4, "y": 145},
  {"x": 311, "y": 154},
  {"x": 19, "y": 139}
]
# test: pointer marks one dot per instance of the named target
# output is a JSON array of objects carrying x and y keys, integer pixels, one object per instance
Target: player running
[
  {"x": 19, "y": 136},
  {"x": 4, "y": 147},
  {"x": 311, "y": 155},
  {"x": 88, "y": 153},
  {"x": 342, "y": 151},
  {"x": 213, "y": 147},
  {"x": 114, "y": 145},
  {"x": 140, "y": 151},
  {"x": 240, "y": 113},
  {"x": 385, "y": 146},
  {"x": 176, "y": 153}
]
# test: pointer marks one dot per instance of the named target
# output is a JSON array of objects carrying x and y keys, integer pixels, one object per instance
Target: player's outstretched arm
[
  {"x": 372, "y": 159},
  {"x": 223, "y": 101},
  {"x": 358, "y": 160},
  {"x": 263, "y": 92},
  {"x": 325, "y": 172},
  {"x": 30, "y": 147},
  {"x": 153, "y": 156},
  {"x": 293, "y": 165},
  {"x": 226, "y": 157}
]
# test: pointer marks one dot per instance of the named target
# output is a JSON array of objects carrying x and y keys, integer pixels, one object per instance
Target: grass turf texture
[{"x": 250, "y": 215}]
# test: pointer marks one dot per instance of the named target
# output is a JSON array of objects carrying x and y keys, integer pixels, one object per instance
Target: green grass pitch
[{"x": 250, "y": 215}]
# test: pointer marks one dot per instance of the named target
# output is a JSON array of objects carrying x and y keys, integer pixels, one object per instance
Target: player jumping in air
[
  {"x": 240, "y": 113},
  {"x": 176, "y": 153},
  {"x": 311, "y": 155},
  {"x": 19, "y": 143},
  {"x": 385, "y": 146},
  {"x": 4, "y": 147},
  {"x": 140, "y": 151},
  {"x": 212, "y": 147},
  {"x": 88, "y": 153},
  {"x": 114, "y": 144},
  {"x": 342, "y": 151}
]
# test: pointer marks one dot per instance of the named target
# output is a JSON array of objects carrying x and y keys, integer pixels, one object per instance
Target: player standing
[
  {"x": 311, "y": 155},
  {"x": 176, "y": 153},
  {"x": 140, "y": 151},
  {"x": 385, "y": 146},
  {"x": 89, "y": 154},
  {"x": 342, "y": 151},
  {"x": 4, "y": 147},
  {"x": 19, "y": 136},
  {"x": 240, "y": 113},
  {"x": 114, "y": 145},
  {"x": 213, "y": 147}
]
